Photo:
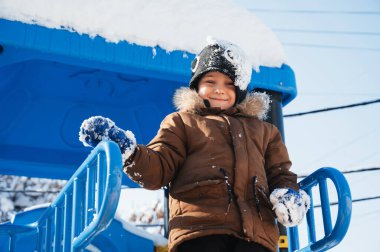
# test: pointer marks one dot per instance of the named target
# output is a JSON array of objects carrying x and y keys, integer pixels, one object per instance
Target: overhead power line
[
  {"x": 333, "y": 108},
  {"x": 332, "y": 47},
  {"x": 318, "y": 12},
  {"x": 351, "y": 171},
  {"x": 355, "y": 200},
  {"x": 339, "y": 94},
  {"x": 360, "y": 33},
  {"x": 362, "y": 170}
]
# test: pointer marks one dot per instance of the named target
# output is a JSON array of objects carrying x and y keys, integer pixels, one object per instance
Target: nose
[{"x": 219, "y": 90}]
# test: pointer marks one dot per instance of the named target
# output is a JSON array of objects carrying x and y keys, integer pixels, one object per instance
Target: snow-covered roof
[{"x": 172, "y": 25}]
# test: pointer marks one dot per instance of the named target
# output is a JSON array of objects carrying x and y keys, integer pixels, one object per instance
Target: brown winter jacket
[{"x": 220, "y": 165}]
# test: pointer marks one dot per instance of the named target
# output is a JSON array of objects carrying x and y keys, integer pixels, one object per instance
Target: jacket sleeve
[
  {"x": 277, "y": 163},
  {"x": 154, "y": 166}
]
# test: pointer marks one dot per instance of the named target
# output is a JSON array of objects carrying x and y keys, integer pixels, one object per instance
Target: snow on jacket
[{"x": 220, "y": 165}]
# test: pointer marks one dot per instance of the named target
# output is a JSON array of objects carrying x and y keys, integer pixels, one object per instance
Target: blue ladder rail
[
  {"x": 83, "y": 208},
  {"x": 333, "y": 235}
]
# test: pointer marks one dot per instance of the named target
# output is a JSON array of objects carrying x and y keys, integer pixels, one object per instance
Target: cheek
[
  {"x": 232, "y": 94},
  {"x": 202, "y": 92}
]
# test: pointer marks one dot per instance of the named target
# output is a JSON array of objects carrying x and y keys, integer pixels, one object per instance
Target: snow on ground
[{"x": 18, "y": 193}]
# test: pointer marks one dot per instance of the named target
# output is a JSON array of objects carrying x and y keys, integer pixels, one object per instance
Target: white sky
[{"x": 333, "y": 47}]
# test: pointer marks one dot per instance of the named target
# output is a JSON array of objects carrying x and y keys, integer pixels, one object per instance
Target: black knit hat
[{"x": 224, "y": 57}]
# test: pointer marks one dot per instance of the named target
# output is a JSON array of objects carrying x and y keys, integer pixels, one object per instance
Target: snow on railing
[
  {"x": 332, "y": 235},
  {"x": 84, "y": 207}
]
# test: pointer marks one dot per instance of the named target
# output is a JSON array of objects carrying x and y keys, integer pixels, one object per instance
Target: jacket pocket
[
  {"x": 204, "y": 203},
  {"x": 195, "y": 189}
]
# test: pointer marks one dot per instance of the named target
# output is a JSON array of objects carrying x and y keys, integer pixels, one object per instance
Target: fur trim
[
  {"x": 186, "y": 99},
  {"x": 255, "y": 104}
]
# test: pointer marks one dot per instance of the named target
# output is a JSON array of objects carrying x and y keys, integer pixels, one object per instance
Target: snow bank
[
  {"x": 170, "y": 24},
  {"x": 20, "y": 192},
  {"x": 158, "y": 240}
]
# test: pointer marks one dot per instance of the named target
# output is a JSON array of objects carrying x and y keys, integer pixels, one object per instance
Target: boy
[{"x": 225, "y": 167}]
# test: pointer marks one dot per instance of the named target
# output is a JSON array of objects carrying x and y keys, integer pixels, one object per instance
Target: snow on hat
[{"x": 224, "y": 57}]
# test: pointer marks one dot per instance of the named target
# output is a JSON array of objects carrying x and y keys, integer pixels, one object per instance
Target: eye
[{"x": 209, "y": 82}]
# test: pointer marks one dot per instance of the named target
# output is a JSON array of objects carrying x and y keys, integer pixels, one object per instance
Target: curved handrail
[
  {"x": 111, "y": 195},
  {"x": 85, "y": 206},
  {"x": 334, "y": 235},
  {"x": 93, "y": 194}
]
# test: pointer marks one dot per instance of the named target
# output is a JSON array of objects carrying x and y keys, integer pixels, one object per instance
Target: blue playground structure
[{"x": 50, "y": 80}]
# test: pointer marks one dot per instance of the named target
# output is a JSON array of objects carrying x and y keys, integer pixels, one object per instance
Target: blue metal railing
[
  {"x": 83, "y": 208},
  {"x": 333, "y": 235}
]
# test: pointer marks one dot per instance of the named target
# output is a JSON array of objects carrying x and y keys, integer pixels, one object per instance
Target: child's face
[{"x": 218, "y": 89}]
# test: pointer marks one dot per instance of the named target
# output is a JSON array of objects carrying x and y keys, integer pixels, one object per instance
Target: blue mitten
[
  {"x": 97, "y": 128},
  {"x": 290, "y": 206}
]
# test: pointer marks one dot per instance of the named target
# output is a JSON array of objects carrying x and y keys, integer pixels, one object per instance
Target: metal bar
[
  {"x": 41, "y": 237},
  {"x": 74, "y": 208},
  {"x": 48, "y": 237},
  {"x": 12, "y": 242},
  {"x": 98, "y": 190},
  {"x": 82, "y": 202},
  {"x": 90, "y": 192},
  {"x": 293, "y": 238},
  {"x": 57, "y": 229},
  {"x": 325, "y": 202},
  {"x": 67, "y": 217},
  {"x": 77, "y": 221},
  {"x": 311, "y": 219},
  {"x": 100, "y": 178}
]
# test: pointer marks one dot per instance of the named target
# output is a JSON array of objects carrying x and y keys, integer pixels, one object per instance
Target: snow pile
[
  {"x": 172, "y": 25},
  {"x": 146, "y": 222},
  {"x": 18, "y": 193},
  {"x": 150, "y": 217}
]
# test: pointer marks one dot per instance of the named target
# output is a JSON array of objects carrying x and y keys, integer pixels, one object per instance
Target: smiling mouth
[{"x": 218, "y": 99}]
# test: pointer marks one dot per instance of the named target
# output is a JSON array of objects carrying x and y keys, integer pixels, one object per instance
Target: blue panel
[
  {"x": 281, "y": 80},
  {"x": 51, "y": 80},
  {"x": 121, "y": 240},
  {"x": 115, "y": 238}
]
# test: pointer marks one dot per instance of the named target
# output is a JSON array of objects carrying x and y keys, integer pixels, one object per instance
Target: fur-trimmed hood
[{"x": 255, "y": 104}]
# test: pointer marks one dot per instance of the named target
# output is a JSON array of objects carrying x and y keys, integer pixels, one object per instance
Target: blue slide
[{"x": 50, "y": 81}]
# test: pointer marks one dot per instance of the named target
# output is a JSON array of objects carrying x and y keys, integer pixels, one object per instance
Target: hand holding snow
[
  {"x": 97, "y": 128},
  {"x": 290, "y": 206}
]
